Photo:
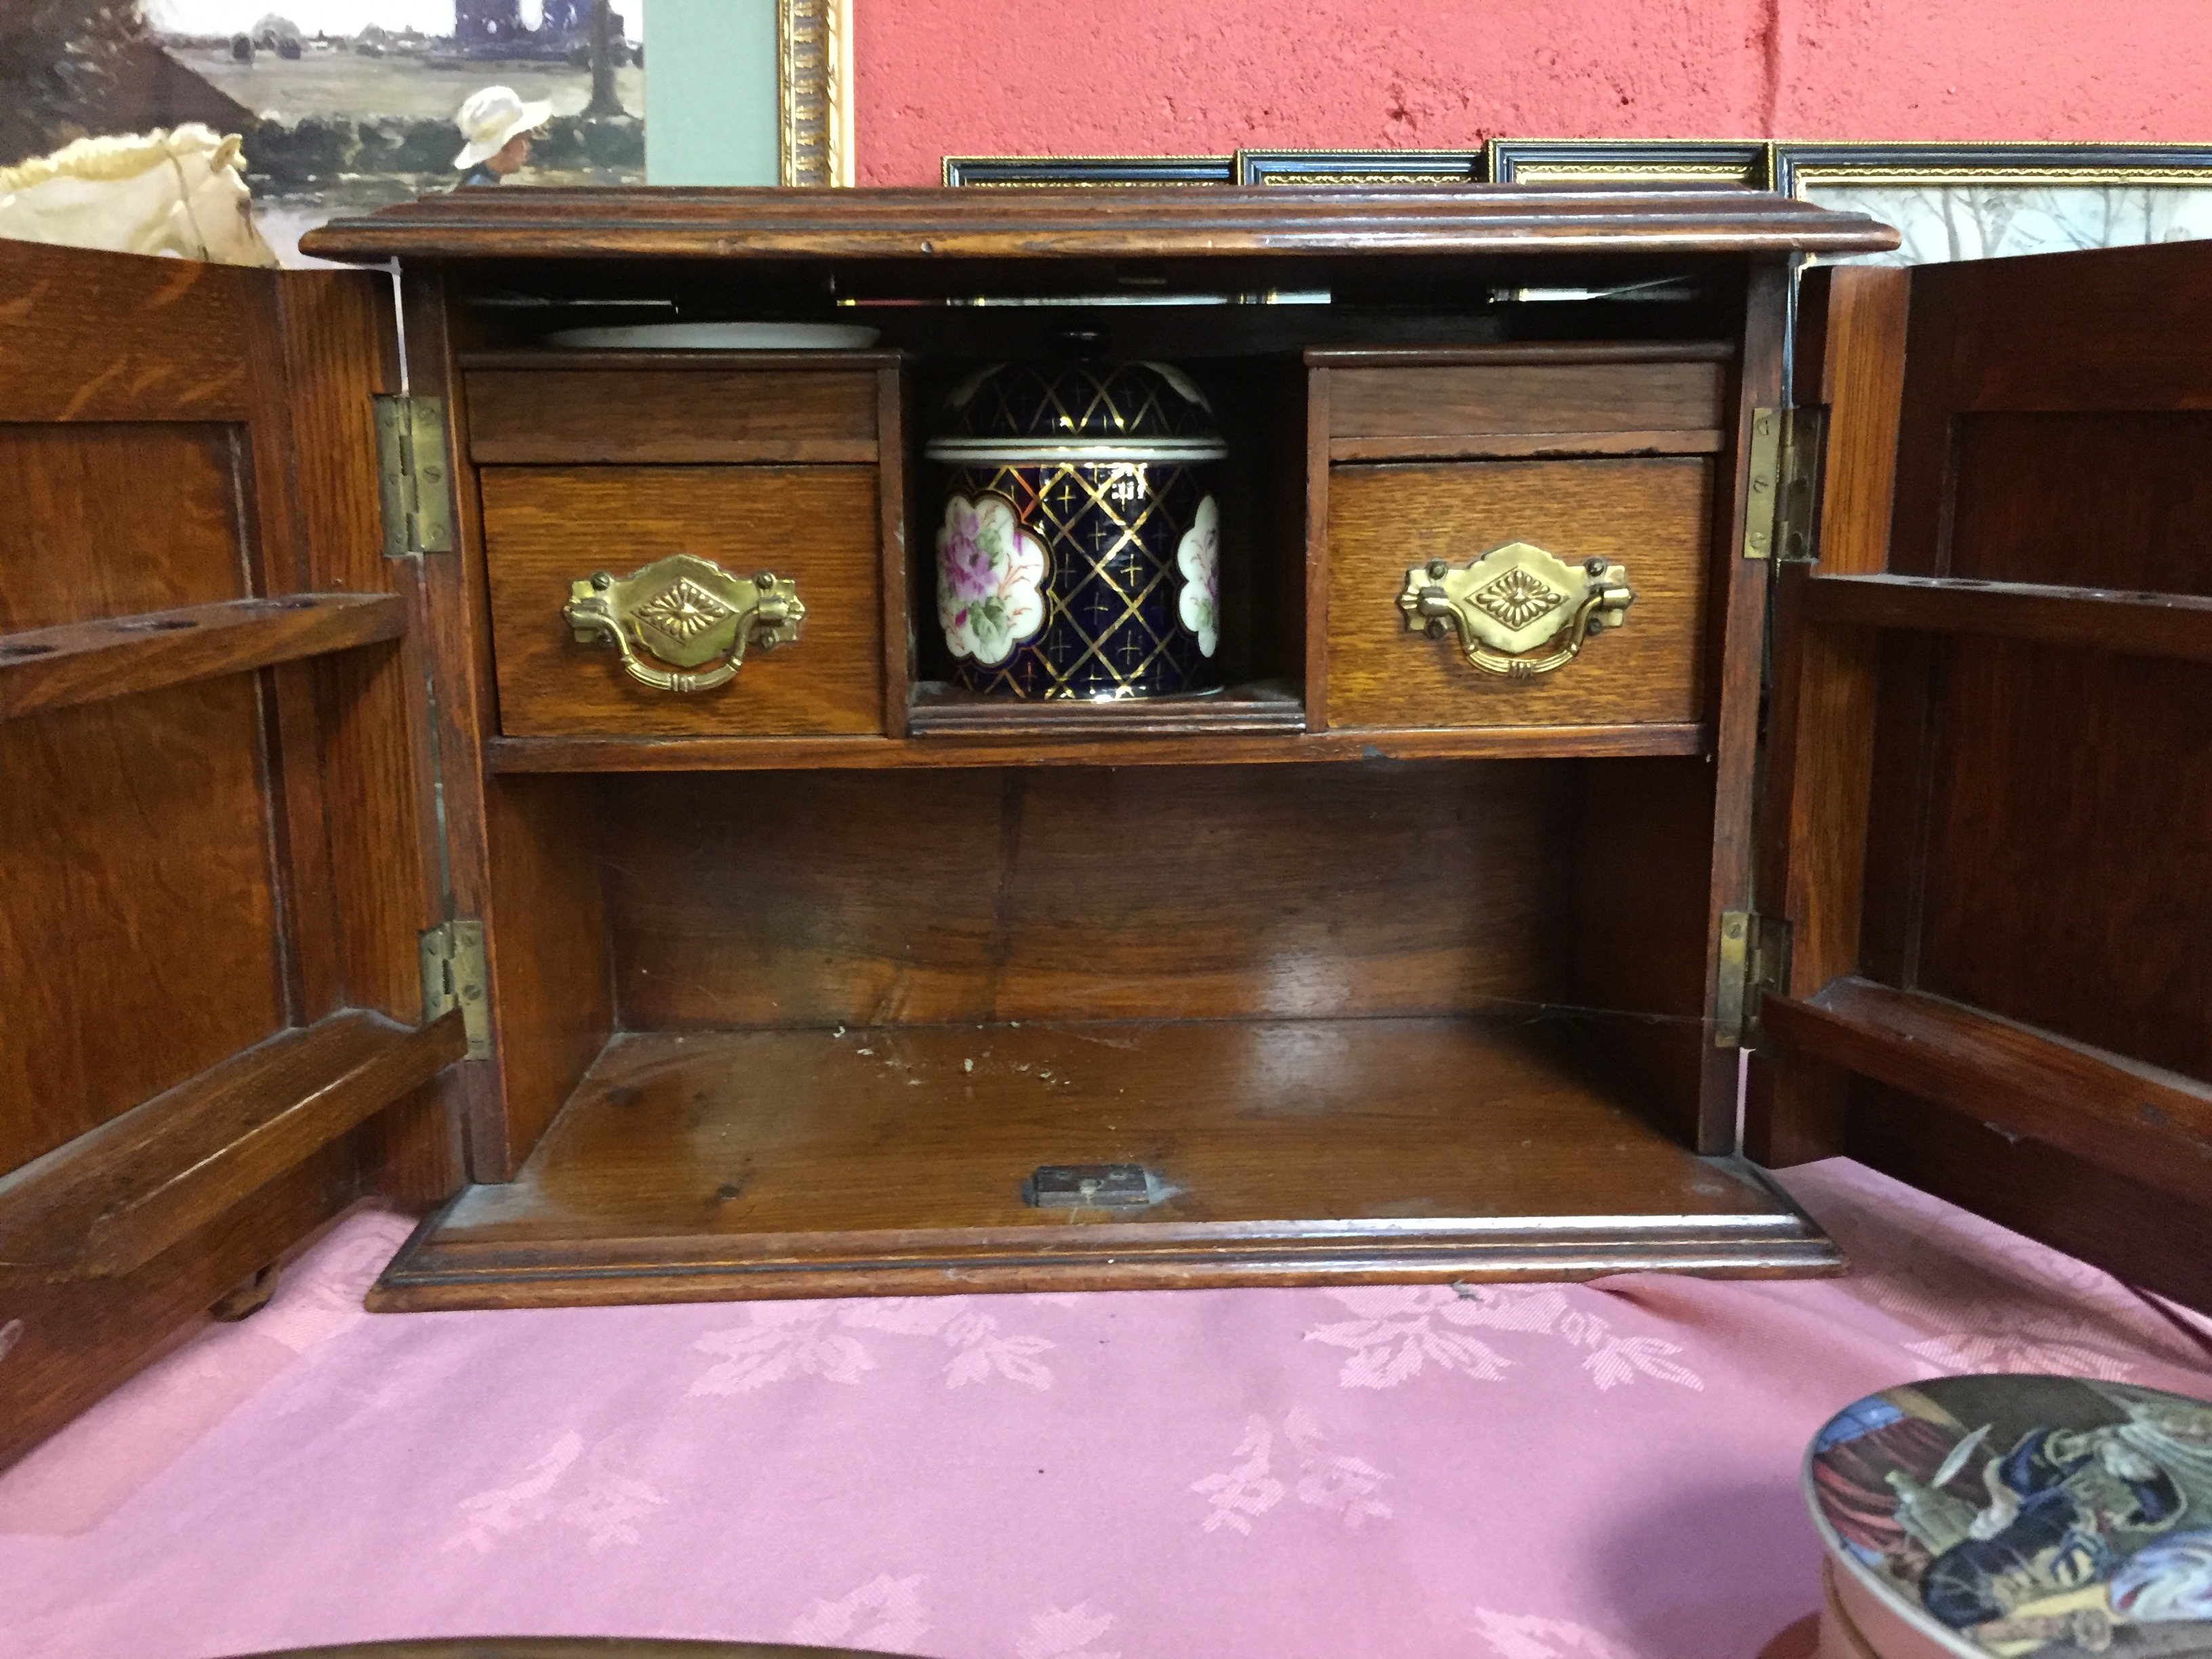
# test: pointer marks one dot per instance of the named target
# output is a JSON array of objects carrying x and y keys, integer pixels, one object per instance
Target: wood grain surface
[
  {"x": 544, "y": 528},
  {"x": 187, "y": 449},
  {"x": 1821, "y": 751},
  {"x": 96, "y": 337},
  {"x": 932, "y": 226},
  {"x": 2137, "y": 623},
  {"x": 79, "y": 1338},
  {"x": 1270, "y": 706},
  {"x": 941, "y": 751},
  {"x": 2150, "y": 1124},
  {"x": 1651, "y": 515},
  {"x": 139, "y": 945},
  {"x": 109, "y": 1202},
  {"x": 562, "y": 416},
  {"x": 551, "y": 984},
  {"x": 2142, "y": 1236},
  {"x": 816, "y": 899},
  {"x": 83, "y": 662},
  {"x": 80, "y": 546},
  {"x": 1596, "y": 394},
  {"x": 810, "y": 1163}
]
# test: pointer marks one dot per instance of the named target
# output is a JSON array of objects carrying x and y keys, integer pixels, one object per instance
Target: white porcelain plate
[{"x": 721, "y": 337}]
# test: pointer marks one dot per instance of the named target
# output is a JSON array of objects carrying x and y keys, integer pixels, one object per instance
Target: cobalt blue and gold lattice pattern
[
  {"x": 1088, "y": 400},
  {"x": 1114, "y": 616}
]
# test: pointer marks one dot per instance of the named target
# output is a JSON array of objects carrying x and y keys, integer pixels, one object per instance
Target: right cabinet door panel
[
  {"x": 1647, "y": 514},
  {"x": 1989, "y": 802}
]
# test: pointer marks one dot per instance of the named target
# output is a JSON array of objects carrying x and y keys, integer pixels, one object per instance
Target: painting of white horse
[{"x": 180, "y": 193}]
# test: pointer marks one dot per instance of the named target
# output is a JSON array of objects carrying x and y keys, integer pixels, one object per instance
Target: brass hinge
[
  {"x": 412, "y": 482},
  {"x": 1780, "y": 519},
  {"x": 1754, "y": 959},
  {"x": 453, "y": 977}
]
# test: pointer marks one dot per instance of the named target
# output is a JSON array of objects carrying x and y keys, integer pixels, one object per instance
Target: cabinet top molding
[{"x": 1079, "y": 223}]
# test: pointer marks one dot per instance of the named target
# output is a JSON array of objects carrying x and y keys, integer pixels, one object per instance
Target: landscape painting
[{"x": 343, "y": 105}]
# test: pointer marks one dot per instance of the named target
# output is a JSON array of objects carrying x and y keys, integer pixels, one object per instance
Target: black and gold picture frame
[
  {"x": 1352, "y": 168},
  {"x": 1729, "y": 163},
  {"x": 1984, "y": 201},
  {"x": 1015, "y": 172}
]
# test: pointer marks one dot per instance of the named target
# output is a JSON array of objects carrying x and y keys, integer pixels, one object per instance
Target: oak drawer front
[
  {"x": 1651, "y": 516},
  {"x": 545, "y": 528},
  {"x": 554, "y": 416},
  {"x": 1668, "y": 406}
]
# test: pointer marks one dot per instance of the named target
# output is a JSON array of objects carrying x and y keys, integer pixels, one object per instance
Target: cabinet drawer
[
  {"x": 1594, "y": 400},
  {"x": 544, "y": 528},
  {"x": 1650, "y": 516},
  {"x": 618, "y": 415}
]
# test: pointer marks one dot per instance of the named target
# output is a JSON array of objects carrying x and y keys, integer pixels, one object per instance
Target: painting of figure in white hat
[
  {"x": 495, "y": 127},
  {"x": 339, "y": 107}
]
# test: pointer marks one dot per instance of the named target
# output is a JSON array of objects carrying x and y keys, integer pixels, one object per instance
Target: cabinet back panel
[
  {"x": 138, "y": 941},
  {"x": 78, "y": 541},
  {"x": 2068, "y": 878},
  {"x": 773, "y": 900},
  {"x": 2096, "y": 501},
  {"x": 2068, "y": 881}
]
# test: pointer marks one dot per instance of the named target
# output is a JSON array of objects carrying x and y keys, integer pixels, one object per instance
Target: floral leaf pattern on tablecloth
[
  {"x": 600, "y": 1501},
  {"x": 1248, "y": 1488},
  {"x": 1065, "y": 1633},
  {"x": 1397, "y": 1337},
  {"x": 1523, "y": 1636},
  {"x": 1400, "y": 1335},
  {"x": 2003, "y": 1304},
  {"x": 1541, "y": 1471},
  {"x": 883, "y": 1613},
  {"x": 786, "y": 1340}
]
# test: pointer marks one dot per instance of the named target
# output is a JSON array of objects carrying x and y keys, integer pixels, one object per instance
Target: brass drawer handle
[
  {"x": 686, "y": 611},
  {"x": 1513, "y": 600}
]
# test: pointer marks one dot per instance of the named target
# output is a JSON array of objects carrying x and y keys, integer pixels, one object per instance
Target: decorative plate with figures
[{"x": 2011, "y": 1516}]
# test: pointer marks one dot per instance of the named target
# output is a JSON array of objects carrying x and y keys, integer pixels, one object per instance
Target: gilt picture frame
[
  {"x": 1353, "y": 168},
  {"x": 1020, "y": 172},
  {"x": 1994, "y": 200},
  {"x": 1720, "y": 163}
]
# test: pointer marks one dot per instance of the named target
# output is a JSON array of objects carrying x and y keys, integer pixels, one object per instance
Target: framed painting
[
  {"x": 1015, "y": 172},
  {"x": 1987, "y": 201},
  {"x": 1354, "y": 167},
  {"x": 1742, "y": 164},
  {"x": 341, "y": 106}
]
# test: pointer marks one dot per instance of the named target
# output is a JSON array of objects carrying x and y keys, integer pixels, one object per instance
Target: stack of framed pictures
[{"x": 1950, "y": 200}]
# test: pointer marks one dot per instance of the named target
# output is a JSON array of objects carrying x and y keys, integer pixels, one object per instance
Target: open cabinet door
[
  {"x": 1988, "y": 816},
  {"x": 216, "y": 851}
]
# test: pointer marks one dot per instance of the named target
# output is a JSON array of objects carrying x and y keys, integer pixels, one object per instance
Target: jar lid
[
  {"x": 1077, "y": 411},
  {"x": 2013, "y": 1514}
]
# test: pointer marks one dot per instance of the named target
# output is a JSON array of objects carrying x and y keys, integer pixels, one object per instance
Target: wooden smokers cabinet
[{"x": 352, "y": 846}]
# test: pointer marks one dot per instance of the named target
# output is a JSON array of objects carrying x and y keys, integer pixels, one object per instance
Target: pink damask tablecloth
[{"x": 1602, "y": 1471}]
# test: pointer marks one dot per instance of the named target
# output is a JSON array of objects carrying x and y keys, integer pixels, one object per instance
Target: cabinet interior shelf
[
  {"x": 613, "y": 753},
  {"x": 1269, "y": 708},
  {"x": 705, "y": 1165}
]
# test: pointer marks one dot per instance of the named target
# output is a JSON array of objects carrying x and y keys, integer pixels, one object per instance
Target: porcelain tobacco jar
[{"x": 1078, "y": 545}]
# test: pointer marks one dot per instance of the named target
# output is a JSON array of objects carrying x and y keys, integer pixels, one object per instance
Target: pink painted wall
[{"x": 1018, "y": 77}]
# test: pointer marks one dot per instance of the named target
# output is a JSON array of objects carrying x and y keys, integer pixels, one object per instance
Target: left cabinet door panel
[{"x": 212, "y": 853}]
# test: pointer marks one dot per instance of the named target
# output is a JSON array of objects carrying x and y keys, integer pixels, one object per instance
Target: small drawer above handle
[
  {"x": 1518, "y": 611},
  {"x": 674, "y": 617}
]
